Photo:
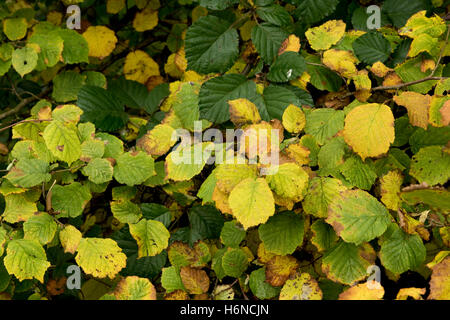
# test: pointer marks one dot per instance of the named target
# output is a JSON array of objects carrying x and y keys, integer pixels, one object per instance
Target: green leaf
[
  {"x": 62, "y": 141},
  {"x": 217, "y": 4},
  {"x": 282, "y": 233},
  {"x": 234, "y": 262},
  {"x": 321, "y": 77},
  {"x": 232, "y": 234},
  {"x": 152, "y": 237},
  {"x": 41, "y": 228},
  {"x": 323, "y": 235},
  {"x": 211, "y": 45},
  {"x": 358, "y": 173},
  {"x": 24, "y": 60},
  {"x": 260, "y": 288},
  {"x": 346, "y": 263},
  {"x": 126, "y": 211},
  {"x": 431, "y": 137},
  {"x": 431, "y": 165},
  {"x": 171, "y": 279},
  {"x": 70, "y": 200},
  {"x": 113, "y": 145},
  {"x": 274, "y": 14},
  {"x": 101, "y": 108},
  {"x": 207, "y": 221},
  {"x": 133, "y": 168},
  {"x": 100, "y": 258},
  {"x": 76, "y": 49},
  {"x": 267, "y": 39},
  {"x": 288, "y": 66},
  {"x": 311, "y": 11},
  {"x": 50, "y": 49},
  {"x": 372, "y": 47},
  {"x": 356, "y": 216},
  {"x": 135, "y": 288},
  {"x": 400, "y": 11},
  {"x": 206, "y": 190},
  {"x": 15, "y": 28},
  {"x": 410, "y": 71},
  {"x": 98, "y": 171},
  {"x": 131, "y": 93},
  {"x": 26, "y": 259},
  {"x": 324, "y": 123},
  {"x": 157, "y": 212},
  {"x": 28, "y": 173},
  {"x": 66, "y": 86},
  {"x": 216, "y": 92},
  {"x": 400, "y": 251},
  {"x": 274, "y": 101},
  {"x": 438, "y": 200},
  {"x": 320, "y": 193}
]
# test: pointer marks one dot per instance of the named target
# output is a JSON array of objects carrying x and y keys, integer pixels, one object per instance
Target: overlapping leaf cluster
[{"x": 89, "y": 176}]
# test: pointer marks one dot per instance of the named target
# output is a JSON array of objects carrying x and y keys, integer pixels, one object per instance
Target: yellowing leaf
[
  {"x": 439, "y": 112},
  {"x": 251, "y": 202},
  {"x": 115, "y": 6},
  {"x": 341, "y": 61},
  {"x": 294, "y": 119},
  {"x": 62, "y": 140},
  {"x": 15, "y": 29},
  {"x": 101, "y": 41},
  {"x": 418, "y": 106},
  {"x": 302, "y": 287},
  {"x": 440, "y": 281},
  {"x": 229, "y": 175},
  {"x": 369, "y": 129},
  {"x": 326, "y": 35},
  {"x": 298, "y": 153},
  {"x": 363, "y": 84},
  {"x": 18, "y": 208},
  {"x": 194, "y": 280},
  {"x": 280, "y": 268},
  {"x": 157, "y": 141},
  {"x": 100, "y": 258},
  {"x": 371, "y": 290},
  {"x": 418, "y": 24},
  {"x": 415, "y": 293},
  {"x": 390, "y": 189},
  {"x": 26, "y": 259},
  {"x": 243, "y": 111},
  {"x": 289, "y": 181},
  {"x": 70, "y": 238},
  {"x": 135, "y": 288},
  {"x": 379, "y": 69},
  {"x": 139, "y": 66},
  {"x": 151, "y": 236},
  {"x": 292, "y": 43},
  {"x": 145, "y": 20},
  {"x": 424, "y": 43}
]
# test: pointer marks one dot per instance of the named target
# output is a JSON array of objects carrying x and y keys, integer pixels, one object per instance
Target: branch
[
  {"x": 442, "y": 52},
  {"x": 23, "y": 103},
  {"x": 407, "y": 84}
]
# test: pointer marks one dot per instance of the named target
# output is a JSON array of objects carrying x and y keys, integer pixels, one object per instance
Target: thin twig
[
  {"x": 23, "y": 103},
  {"x": 407, "y": 84},
  {"x": 23, "y": 121},
  {"x": 442, "y": 52}
]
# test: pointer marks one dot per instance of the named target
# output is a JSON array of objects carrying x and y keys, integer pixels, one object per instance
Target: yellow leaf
[
  {"x": 145, "y": 20},
  {"x": 418, "y": 24},
  {"x": 220, "y": 199},
  {"x": 415, "y": 293},
  {"x": 158, "y": 140},
  {"x": 379, "y": 69},
  {"x": 139, "y": 66},
  {"x": 417, "y": 105},
  {"x": 198, "y": 12},
  {"x": 390, "y": 185},
  {"x": 70, "y": 238},
  {"x": 176, "y": 64},
  {"x": 363, "y": 85},
  {"x": 294, "y": 119},
  {"x": 100, "y": 257},
  {"x": 326, "y": 35},
  {"x": 369, "y": 129},
  {"x": 292, "y": 43},
  {"x": 302, "y": 287},
  {"x": 341, "y": 61},
  {"x": 370, "y": 290},
  {"x": 302, "y": 81},
  {"x": 246, "y": 30},
  {"x": 257, "y": 139},
  {"x": 55, "y": 17},
  {"x": 101, "y": 41},
  {"x": 251, "y": 202},
  {"x": 392, "y": 79},
  {"x": 229, "y": 175},
  {"x": 243, "y": 111},
  {"x": 115, "y": 6},
  {"x": 264, "y": 256},
  {"x": 298, "y": 153}
]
